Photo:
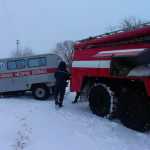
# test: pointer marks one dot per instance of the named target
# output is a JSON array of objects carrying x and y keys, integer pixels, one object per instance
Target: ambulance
[{"x": 32, "y": 73}]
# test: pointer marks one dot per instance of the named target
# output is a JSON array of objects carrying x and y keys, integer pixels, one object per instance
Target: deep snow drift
[{"x": 27, "y": 124}]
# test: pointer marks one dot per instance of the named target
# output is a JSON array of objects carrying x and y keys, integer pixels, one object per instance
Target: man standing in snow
[{"x": 61, "y": 76}]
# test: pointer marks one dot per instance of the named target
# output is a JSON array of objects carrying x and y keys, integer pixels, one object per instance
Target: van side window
[
  {"x": 37, "y": 62},
  {"x": 2, "y": 66},
  {"x": 11, "y": 65},
  {"x": 16, "y": 64},
  {"x": 21, "y": 64}
]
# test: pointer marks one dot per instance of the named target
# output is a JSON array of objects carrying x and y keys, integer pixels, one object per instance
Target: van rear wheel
[{"x": 40, "y": 92}]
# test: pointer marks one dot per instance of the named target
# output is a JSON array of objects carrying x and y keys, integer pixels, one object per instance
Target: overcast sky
[{"x": 40, "y": 24}]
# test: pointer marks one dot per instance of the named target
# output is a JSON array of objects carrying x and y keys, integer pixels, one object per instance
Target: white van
[{"x": 32, "y": 73}]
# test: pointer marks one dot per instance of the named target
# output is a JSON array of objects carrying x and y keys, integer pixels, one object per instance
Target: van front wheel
[{"x": 40, "y": 92}]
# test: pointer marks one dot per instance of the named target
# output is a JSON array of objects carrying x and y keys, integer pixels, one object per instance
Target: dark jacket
[{"x": 61, "y": 76}]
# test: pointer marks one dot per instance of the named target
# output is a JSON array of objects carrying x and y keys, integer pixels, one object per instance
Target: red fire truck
[{"x": 113, "y": 72}]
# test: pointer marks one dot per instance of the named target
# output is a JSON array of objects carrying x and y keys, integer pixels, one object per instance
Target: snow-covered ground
[{"x": 27, "y": 124}]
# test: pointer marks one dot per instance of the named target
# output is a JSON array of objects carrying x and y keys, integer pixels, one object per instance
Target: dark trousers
[
  {"x": 59, "y": 94},
  {"x": 77, "y": 96}
]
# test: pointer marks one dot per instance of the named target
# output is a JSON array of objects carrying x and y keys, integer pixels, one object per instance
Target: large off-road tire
[
  {"x": 40, "y": 92},
  {"x": 100, "y": 100},
  {"x": 134, "y": 111}
]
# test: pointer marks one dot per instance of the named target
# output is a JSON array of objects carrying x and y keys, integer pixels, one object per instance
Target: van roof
[{"x": 32, "y": 56}]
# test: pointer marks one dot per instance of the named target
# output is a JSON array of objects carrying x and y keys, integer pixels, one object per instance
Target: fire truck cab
[
  {"x": 113, "y": 72},
  {"x": 32, "y": 73}
]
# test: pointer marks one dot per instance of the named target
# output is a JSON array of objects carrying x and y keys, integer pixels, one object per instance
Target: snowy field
[{"x": 27, "y": 124}]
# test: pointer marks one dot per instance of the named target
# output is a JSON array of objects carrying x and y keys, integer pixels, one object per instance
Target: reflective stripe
[
  {"x": 26, "y": 73},
  {"x": 92, "y": 64},
  {"x": 121, "y": 51}
]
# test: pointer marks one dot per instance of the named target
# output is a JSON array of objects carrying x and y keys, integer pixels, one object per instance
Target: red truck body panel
[{"x": 93, "y": 57}]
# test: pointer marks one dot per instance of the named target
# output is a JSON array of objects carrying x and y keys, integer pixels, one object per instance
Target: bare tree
[
  {"x": 22, "y": 52},
  {"x": 127, "y": 24},
  {"x": 65, "y": 50},
  {"x": 130, "y": 23}
]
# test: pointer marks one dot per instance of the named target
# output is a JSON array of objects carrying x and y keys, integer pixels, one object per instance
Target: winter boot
[
  {"x": 74, "y": 102},
  {"x": 60, "y": 105}
]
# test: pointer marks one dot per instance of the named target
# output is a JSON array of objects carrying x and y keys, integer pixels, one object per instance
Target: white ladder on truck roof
[{"x": 114, "y": 32}]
